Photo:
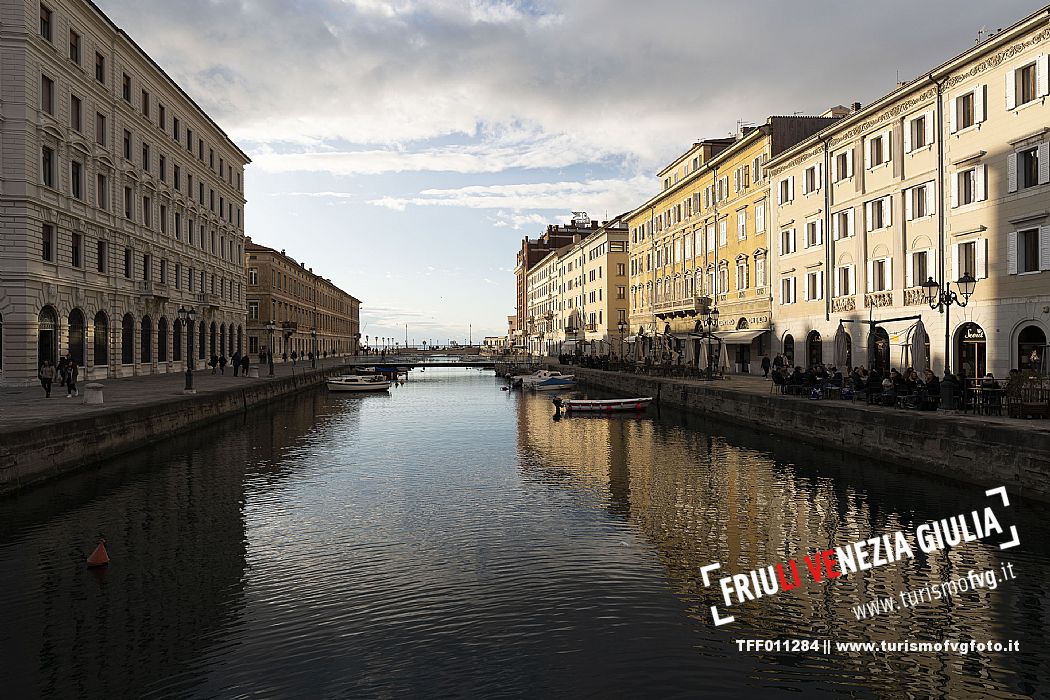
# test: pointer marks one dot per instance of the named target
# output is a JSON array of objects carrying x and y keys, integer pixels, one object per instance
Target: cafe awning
[{"x": 741, "y": 336}]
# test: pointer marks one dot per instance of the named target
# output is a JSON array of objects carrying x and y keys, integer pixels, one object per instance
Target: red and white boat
[{"x": 605, "y": 405}]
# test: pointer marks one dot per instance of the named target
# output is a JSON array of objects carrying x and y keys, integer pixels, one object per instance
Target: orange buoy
[{"x": 99, "y": 557}]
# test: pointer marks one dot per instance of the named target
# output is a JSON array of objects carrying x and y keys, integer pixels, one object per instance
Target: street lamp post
[
  {"x": 622, "y": 327},
  {"x": 271, "y": 327},
  {"x": 710, "y": 322},
  {"x": 187, "y": 316},
  {"x": 943, "y": 299},
  {"x": 313, "y": 355}
]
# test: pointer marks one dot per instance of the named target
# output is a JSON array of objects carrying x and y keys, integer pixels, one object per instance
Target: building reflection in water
[
  {"x": 173, "y": 518},
  {"x": 702, "y": 493}
]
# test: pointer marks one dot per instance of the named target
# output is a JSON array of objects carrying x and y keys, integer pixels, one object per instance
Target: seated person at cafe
[
  {"x": 932, "y": 389},
  {"x": 989, "y": 382},
  {"x": 873, "y": 387}
]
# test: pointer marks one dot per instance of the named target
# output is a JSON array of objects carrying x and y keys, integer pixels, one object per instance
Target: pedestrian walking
[
  {"x": 236, "y": 362},
  {"x": 47, "y": 376},
  {"x": 213, "y": 363},
  {"x": 245, "y": 361},
  {"x": 284, "y": 357},
  {"x": 60, "y": 370},
  {"x": 765, "y": 366},
  {"x": 222, "y": 363},
  {"x": 72, "y": 373}
]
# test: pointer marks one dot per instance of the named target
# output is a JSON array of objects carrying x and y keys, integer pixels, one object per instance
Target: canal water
[{"x": 452, "y": 539}]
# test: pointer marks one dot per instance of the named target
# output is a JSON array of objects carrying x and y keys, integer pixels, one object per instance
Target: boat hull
[
  {"x": 553, "y": 384},
  {"x": 607, "y": 405}
]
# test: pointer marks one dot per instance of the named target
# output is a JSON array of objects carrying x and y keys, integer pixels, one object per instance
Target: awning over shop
[{"x": 742, "y": 336}]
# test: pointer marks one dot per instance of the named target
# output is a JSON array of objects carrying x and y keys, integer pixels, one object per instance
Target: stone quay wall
[
  {"x": 971, "y": 450},
  {"x": 36, "y": 454}
]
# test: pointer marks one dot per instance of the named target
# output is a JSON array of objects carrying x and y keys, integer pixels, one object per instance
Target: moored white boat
[
  {"x": 358, "y": 382},
  {"x": 605, "y": 405},
  {"x": 527, "y": 380},
  {"x": 552, "y": 383}
]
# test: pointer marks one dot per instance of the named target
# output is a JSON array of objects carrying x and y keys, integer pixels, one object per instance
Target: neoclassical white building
[
  {"x": 120, "y": 202},
  {"x": 949, "y": 175}
]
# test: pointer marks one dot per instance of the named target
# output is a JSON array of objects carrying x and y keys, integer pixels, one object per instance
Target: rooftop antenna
[{"x": 980, "y": 34}]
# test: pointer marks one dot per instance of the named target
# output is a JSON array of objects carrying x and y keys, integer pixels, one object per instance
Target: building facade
[
  {"x": 310, "y": 312},
  {"x": 702, "y": 245},
  {"x": 948, "y": 175},
  {"x": 121, "y": 203}
]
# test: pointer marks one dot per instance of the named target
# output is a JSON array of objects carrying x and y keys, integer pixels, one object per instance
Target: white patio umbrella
[
  {"x": 723, "y": 357},
  {"x": 919, "y": 360},
  {"x": 840, "y": 346},
  {"x": 702, "y": 358}
]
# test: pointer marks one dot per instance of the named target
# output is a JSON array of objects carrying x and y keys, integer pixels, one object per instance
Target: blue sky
[{"x": 404, "y": 148}]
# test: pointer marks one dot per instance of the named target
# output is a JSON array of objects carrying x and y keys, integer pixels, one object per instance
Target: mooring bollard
[
  {"x": 93, "y": 393},
  {"x": 253, "y": 372}
]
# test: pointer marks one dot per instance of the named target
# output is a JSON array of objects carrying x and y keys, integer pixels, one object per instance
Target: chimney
[
  {"x": 282, "y": 251},
  {"x": 856, "y": 107}
]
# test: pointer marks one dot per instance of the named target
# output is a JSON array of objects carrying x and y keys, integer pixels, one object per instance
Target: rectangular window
[
  {"x": 47, "y": 94},
  {"x": 162, "y": 168},
  {"x": 145, "y": 156},
  {"x": 47, "y": 166},
  {"x": 161, "y": 114},
  {"x": 878, "y": 278},
  {"x": 919, "y": 204},
  {"x": 787, "y": 290},
  {"x": 1028, "y": 250},
  {"x": 76, "y": 113},
  {"x": 844, "y": 281},
  {"x": 787, "y": 241},
  {"x": 967, "y": 184},
  {"x": 146, "y": 266},
  {"x": 965, "y": 114},
  {"x": 741, "y": 224},
  {"x": 75, "y": 243},
  {"x": 253, "y": 310},
  {"x": 811, "y": 179},
  {"x": 47, "y": 250},
  {"x": 178, "y": 226},
  {"x": 100, "y": 67},
  {"x": 76, "y": 179},
  {"x": 100, "y": 128},
  {"x": 814, "y": 286},
  {"x": 741, "y": 275},
  {"x": 127, "y": 144},
  {"x": 74, "y": 47},
  {"x": 842, "y": 165},
  {"x": 814, "y": 234},
  {"x": 253, "y": 276},
  {"x": 621, "y": 269},
  {"x": 919, "y": 267},
  {"x": 200, "y": 150},
  {"x": 1028, "y": 167},
  {"x": 163, "y": 271},
  {"x": 175, "y": 176},
  {"x": 128, "y": 263},
  {"x": 178, "y": 276},
  {"x": 45, "y": 22},
  {"x": 968, "y": 259},
  {"x": 128, "y": 203},
  {"x": 147, "y": 212},
  {"x": 100, "y": 257},
  {"x": 101, "y": 192},
  {"x": 1026, "y": 84},
  {"x": 211, "y": 158},
  {"x": 877, "y": 152},
  {"x": 145, "y": 103},
  {"x": 174, "y": 128},
  {"x": 126, "y": 87},
  {"x": 163, "y": 219}
]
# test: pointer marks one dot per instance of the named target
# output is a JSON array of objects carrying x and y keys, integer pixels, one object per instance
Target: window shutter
[
  {"x": 887, "y": 274},
  {"x": 909, "y": 271},
  {"x": 838, "y": 287},
  {"x": 851, "y": 229},
  {"x": 1044, "y": 163},
  {"x": 931, "y": 202},
  {"x": 1044, "y": 247},
  {"x": 908, "y": 126},
  {"x": 955, "y": 190},
  {"x": 979, "y": 106},
  {"x": 834, "y": 169},
  {"x": 887, "y": 142},
  {"x": 953, "y": 110},
  {"x": 867, "y": 154},
  {"x": 1041, "y": 78},
  {"x": 805, "y": 236},
  {"x": 793, "y": 290},
  {"x": 867, "y": 214},
  {"x": 791, "y": 188},
  {"x": 849, "y": 164},
  {"x": 955, "y": 261},
  {"x": 982, "y": 182},
  {"x": 820, "y": 285},
  {"x": 1011, "y": 172},
  {"x": 1011, "y": 84},
  {"x": 835, "y": 235},
  {"x": 805, "y": 182},
  {"x": 929, "y": 127},
  {"x": 820, "y": 231},
  {"x": 981, "y": 249},
  {"x": 820, "y": 175},
  {"x": 1011, "y": 253},
  {"x": 871, "y": 275},
  {"x": 747, "y": 276},
  {"x": 852, "y": 280},
  {"x": 908, "y": 195},
  {"x": 887, "y": 211}
]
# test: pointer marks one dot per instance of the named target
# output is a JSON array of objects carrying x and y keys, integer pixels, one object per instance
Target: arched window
[
  {"x": 176, "y": 341},
  {"x": 213, "y": 335},
  {"x": 1031, "y": 347},
  {"x": 789, "y": 349},
  {"x": 101, "y": 339},
  {"x": 127, "y": 340},
  {"x": 47, "y": 336},
  {"x": 879, "y": 350},
  {"x": 162, "y": 340},
  {"x": 146, "y": 343},
  {"x": 76, "y": 336},
  {"x": 814, "y": 349}
]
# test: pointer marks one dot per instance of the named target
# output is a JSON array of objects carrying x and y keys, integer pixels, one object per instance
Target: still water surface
[{"x": 451, "y": 539}]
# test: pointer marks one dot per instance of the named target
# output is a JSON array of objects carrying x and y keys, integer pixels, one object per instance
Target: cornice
[{"x": 996, "y": 59}]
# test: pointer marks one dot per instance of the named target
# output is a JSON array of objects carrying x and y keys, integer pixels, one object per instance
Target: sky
[{"x": 404, "y": 148}]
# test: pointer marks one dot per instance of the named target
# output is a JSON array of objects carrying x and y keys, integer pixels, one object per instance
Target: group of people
[
  {"x": 66, "y": 371},
  {"x": 238, "y": 362}
]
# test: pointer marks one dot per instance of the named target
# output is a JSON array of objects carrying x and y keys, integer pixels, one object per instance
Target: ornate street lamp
[
  {"x": 313, "y": 355},
  {"x": 943, "y": 299},
  {"x": 188, "y": 316},
  {"x": 271, "y": 327},
  {"x": 710, "y": 322},
  {"x": 622, "y": 327}
]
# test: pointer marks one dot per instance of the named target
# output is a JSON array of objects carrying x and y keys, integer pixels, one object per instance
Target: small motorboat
[
  {"x": 527, "y": 380},
  {"x": 554, "y": 383},
  {"x": 605, "y": 405},
  {"x": 358, "y": 382}
]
